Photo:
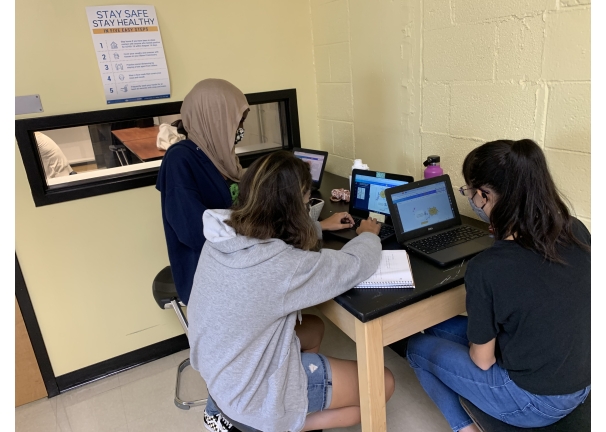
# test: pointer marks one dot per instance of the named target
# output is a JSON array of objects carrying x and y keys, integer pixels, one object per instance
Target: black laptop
[
  {"x": 367, "y": 196},
  {"x": 317, "y": 162},
  {"x": 427, "y": 222}
]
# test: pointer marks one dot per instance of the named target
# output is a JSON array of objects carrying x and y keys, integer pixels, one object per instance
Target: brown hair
[{"x": 270, "y": 203}]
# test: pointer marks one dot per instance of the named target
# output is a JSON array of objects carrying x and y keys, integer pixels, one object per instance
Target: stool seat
[
  {"x": 579, "y": 420},
  {"x": 164, "y": 290}
]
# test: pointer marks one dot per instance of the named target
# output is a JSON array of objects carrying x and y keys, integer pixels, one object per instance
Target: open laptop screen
[
  {"x": 423, "y": 206},
  {"x": 315, "y": 161},
  {"x": 368, "y": 193}
]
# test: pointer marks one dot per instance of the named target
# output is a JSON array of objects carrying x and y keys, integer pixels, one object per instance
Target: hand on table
[
  {"x": 337, "y": 221},
  {"x": 370, "y": 225}
]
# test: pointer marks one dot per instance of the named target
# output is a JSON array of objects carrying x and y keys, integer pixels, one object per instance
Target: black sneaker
[{"x": 217, "y": 423}]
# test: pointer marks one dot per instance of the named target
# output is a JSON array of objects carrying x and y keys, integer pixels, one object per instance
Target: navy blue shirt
[{"x": 189, "y": 184}]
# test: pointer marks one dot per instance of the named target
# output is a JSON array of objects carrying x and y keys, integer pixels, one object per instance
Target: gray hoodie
[{"x": 242, "y": 313}]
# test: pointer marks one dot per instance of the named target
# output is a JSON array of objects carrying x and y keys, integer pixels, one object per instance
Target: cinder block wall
[{"x": 465, "y": 72}]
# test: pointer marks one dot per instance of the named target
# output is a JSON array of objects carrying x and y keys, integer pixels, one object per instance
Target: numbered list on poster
[{"x": 129, "y": 52}]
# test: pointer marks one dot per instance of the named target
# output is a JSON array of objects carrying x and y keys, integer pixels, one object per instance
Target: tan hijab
[{"x": 211, "y": 113}]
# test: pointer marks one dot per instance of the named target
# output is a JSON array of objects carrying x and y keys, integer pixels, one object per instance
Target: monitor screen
[
  {"x": 423, "y": 206},
  {"x": 315, "y": 162},
  {"x": 370, "y": 193}
]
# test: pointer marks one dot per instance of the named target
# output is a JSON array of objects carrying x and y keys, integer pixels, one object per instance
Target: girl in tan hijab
[
  {"x": 200, "y": 172},
  {"x": 212, "y": 114}
]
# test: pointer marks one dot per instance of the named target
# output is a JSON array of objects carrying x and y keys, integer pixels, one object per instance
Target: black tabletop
[{"x": 369, "y": 304}]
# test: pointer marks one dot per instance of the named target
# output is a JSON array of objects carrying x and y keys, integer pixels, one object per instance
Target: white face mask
[
  {"x": 479, "y": 211},
  {"x": 239, "y": 135}
]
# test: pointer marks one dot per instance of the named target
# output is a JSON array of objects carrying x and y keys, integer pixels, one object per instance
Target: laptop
[
  {"x": 317, "y": 162},
  {"x": 427, "y": 222},
  {"x": 367, "y": 196}
]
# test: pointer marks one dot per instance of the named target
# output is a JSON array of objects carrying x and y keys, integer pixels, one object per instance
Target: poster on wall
[{"x": 129, "y": 51}]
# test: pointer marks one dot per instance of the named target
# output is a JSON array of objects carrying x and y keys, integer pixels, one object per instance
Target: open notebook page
[{"x": 394, "y": 271}]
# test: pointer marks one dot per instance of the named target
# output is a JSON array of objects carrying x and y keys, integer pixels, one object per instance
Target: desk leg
[{"x": 371, "y": 375}]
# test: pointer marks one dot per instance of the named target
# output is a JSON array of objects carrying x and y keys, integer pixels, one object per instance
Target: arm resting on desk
[
  {"x": 483, "y": 355},
  {"x": 321, "y": 276}
]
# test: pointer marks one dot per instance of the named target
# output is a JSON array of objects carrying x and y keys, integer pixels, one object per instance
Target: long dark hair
[
  {"x": 528, "y": 204},
  {"x": 270, "y": 203}
]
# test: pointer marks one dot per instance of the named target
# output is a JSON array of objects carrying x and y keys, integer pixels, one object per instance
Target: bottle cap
[
  {"x": 359, "y": 165},
  {"x": 431, "y": 159}
]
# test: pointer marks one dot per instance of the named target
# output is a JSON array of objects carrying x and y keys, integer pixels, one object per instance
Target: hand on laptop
[
  {"x": 370, "y": 225},
  {"x": 337, "y": 221}
]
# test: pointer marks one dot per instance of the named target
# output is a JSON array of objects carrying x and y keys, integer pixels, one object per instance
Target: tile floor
[{"x": 141, "y": 399}]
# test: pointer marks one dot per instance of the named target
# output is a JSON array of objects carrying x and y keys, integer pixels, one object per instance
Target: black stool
[
  {"x": 578, "y": 420},
  {"x": 166, "y": 296}
]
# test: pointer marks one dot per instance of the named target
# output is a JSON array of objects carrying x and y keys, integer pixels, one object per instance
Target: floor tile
[
  {"x": 81, "y": 394},
  {"x": 169, "y": 419},
  {"x": 147, "y": 396},
  {"x": 38, "y": 416},
  {"x": 100, "y": 413},
  {"x": 61, "y": 414},
  {"x": 152, "y": 368}
]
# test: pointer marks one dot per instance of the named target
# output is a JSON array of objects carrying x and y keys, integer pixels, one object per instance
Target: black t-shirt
[{"x": 540, "y": 313}]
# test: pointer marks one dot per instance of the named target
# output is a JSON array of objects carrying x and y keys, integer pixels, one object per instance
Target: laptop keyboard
[
  {"x": 447, "y": 239},
  {"x": 386, "y": 230}
]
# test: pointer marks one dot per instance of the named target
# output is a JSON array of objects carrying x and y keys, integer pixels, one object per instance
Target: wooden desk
[
  {"x": 141, "y": 142},
  {"x": 376, "y": 318}
]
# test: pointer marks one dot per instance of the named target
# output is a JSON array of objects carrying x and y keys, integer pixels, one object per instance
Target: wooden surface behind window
[{"x": 28, "y": 381}]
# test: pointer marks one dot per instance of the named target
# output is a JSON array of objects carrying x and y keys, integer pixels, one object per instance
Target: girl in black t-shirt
[{"x": 523, "y": 353}]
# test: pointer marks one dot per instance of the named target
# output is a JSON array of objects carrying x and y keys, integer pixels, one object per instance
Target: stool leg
[
  {"x": 180, "y": 315},
  {"x": 180, "y": 403}
]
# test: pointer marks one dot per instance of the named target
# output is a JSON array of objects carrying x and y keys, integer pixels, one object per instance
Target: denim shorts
[{"x": 319, "y": 381}]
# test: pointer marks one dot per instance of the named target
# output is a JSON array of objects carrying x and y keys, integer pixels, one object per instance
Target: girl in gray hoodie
[{"x": 259, "y": 267}]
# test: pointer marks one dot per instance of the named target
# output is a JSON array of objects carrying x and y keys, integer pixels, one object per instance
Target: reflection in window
[
  {"x": 85, "y": 153},
  {"x": 262, "y": 129},
  {"x": 54, "y": 161}
]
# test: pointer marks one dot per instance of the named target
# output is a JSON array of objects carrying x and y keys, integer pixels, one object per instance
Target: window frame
[{"x": 43, "y": 195}]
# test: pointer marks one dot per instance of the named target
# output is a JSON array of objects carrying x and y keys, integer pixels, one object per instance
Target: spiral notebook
[{"x": 394, "y": 272}]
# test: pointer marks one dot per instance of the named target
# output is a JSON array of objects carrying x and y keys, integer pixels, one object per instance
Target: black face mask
[{"x": 239, "y": 135}]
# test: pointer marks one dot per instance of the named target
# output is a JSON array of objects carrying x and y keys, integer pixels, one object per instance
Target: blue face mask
[{"x": 479, "y": 211}]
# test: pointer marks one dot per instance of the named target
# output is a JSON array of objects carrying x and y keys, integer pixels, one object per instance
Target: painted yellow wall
[
  {"x": 89, "y": 264},
  {"x": 400, "y": 80},
  {"x": 395, "y": 81}
]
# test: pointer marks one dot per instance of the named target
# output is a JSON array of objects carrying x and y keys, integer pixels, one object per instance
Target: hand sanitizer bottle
[{"x": 357, "y": 165}]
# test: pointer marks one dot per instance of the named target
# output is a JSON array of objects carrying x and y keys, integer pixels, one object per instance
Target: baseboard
[{"x": 121, "y": 363}]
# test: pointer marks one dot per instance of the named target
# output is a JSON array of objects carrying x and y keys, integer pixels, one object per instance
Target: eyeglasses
[{"x": 470, "y": 192}]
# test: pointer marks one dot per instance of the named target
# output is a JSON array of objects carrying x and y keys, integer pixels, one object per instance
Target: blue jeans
[
  {"x": 440, "y": 358},
  {"x": 211, "y": 409}
]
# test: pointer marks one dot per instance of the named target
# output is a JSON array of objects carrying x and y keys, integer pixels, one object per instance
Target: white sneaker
[{"x": 217, "y": 423}]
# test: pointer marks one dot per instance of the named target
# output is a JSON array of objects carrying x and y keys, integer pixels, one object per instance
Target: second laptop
[{"x": 368, "y": 196}]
